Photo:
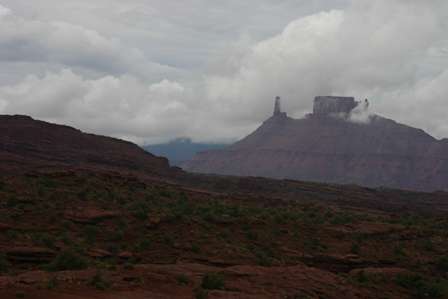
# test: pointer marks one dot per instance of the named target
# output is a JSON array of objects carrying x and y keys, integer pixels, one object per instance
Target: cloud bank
[{"x": 392, "y": 52}]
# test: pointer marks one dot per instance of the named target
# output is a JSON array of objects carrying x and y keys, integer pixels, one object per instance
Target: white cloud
[
  {"x": 4, "y": 11},
  {"x": 58, "y": 42},
  {"x": 378, "y": 50},
  {"x": 121, "y": 106},
  {"x": 101, "y": 65}
]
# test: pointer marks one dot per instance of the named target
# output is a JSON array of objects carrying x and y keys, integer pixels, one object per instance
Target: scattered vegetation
[
  {"x": 4, "y": 264},
  {"x": 44, "y": 239},
  {"x": 158, "y": 222},
  {"x": 67, "y": 260},
  {"x": 99, "y": 282},
  {"x": 52, "y": 283},
  {"x": 143, "y": 244},
  {"x": 212, "y": 281},
  {"x": 399, "y": 251},
  {"x": 442, "y": 264},
  {"x": 361, "y": 277},
  {"x": 423, "y": 288},
  {"x": 342, "y": 219},
  {"x": 182, "y": 279},
  {"x": 195, "y": 248},
  {"x": 90, "y": 233},
  {"x": 356, "y": 248},
  {"x": 201, "y": 294}
]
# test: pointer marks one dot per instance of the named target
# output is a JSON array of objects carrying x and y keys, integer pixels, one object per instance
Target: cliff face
[
  {"x": 25, "y": 142},
  {"x": 328, "y": 149}
]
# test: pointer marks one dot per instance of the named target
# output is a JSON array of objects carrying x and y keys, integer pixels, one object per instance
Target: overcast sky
[{"x": 153, "y": 70}]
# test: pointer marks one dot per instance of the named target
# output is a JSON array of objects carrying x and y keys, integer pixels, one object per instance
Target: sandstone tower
[{"x": 277, "y": 108}]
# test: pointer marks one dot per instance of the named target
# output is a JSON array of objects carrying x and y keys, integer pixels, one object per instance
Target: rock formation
[
  {"x": 328, "y": 105},
  {"x": 325, "y": 147}
]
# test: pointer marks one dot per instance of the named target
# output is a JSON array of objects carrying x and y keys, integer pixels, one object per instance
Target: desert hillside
[{"x": 76, "y": 230}]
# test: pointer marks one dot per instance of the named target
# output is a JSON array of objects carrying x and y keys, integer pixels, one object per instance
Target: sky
[{"x": 151, "y": 70}]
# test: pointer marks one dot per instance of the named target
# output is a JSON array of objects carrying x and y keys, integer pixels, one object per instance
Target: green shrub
[
  {"x": 182, "y": 279},
  {"x": 361, "y": 277},
  {"x": 181, "y": 207},
  {"x": 252, "y": 236},
  {"x": 143, "y": 245},
  {"x": 83, "y": 194},
  {"x": 426, "y": 244},
  {"x": 168, "y": 240},
  {"x": 313, "y": 244},
  {"x": 212, "y": 281},
  {"x": 12, "y": 201},
  {"x": 140, "y": 210},
  {"x": 12, "y": 234},
  {"x": 422, "y": 288},
  {"x": 68, "y": 260},
  {"x": 442, "y": 264},
  {"x": 90, "y": 233},
  {"x": 201, "y": 294},
  {"x": 99, "y": 282},
  {"x": 342, "y": 219},
  {"x": 408, "y": 281},
  {"x": 165, "y": 193},
  {"x": 355, "y": 248},
  {"x": 195, "y": 248},
  {"x": 52, "y": 283},
  {"x": 114, "y": 248},
  {"x": 116, "y": 236},
  {"x": 399, "y": 251},
  {"x": 263, "y": 256},
  {"x": 4, "y": 264},
  {"x": 47, "y": 182},
  {"x": 44, "y": 239}
]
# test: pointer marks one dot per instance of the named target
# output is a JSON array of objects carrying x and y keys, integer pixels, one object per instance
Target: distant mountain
[
  {"x": 329, "y": 146},
  {"x": 180, "y": 150}
]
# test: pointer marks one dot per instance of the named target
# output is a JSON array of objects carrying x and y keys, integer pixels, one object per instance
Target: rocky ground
[{"x": 91, "y": 234}]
